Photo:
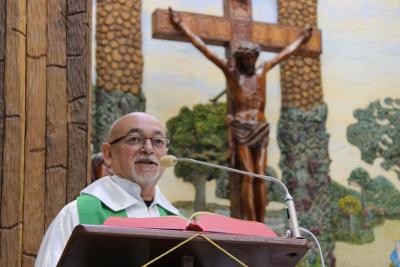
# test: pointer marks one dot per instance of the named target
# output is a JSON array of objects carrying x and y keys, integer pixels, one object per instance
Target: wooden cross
[{"x": 235, "y": 26}]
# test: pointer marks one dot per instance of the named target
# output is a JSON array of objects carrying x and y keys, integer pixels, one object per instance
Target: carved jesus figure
[{"x": 248, "y": 129}]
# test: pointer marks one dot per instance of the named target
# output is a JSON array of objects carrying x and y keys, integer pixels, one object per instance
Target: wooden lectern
[{"x": 96, "y": 245}]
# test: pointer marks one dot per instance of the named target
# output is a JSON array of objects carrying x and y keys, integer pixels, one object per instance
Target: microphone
[{"x": 169, "y": 161}]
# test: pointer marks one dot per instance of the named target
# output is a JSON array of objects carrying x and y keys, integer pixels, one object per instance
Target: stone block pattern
[
  {"x": 119, "y": 55},
  {"x": 300, "y": 76}
]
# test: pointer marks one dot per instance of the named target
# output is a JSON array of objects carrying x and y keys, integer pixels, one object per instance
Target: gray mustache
[{"x": 148, "y": 158}]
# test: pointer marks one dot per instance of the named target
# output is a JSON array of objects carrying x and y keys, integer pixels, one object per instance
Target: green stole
[{"x": 92, "y": 211}]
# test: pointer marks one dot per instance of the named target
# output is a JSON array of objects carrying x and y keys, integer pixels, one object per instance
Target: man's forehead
[
  {"x": 144, "y": 124},
  {"x": 146, "y": 131}
]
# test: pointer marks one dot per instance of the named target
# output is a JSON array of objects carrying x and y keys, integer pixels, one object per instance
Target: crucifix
[{"x": 247, "y": 127}]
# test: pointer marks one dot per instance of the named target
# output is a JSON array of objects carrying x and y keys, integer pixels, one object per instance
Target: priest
[{"x": 135, "y": 144}]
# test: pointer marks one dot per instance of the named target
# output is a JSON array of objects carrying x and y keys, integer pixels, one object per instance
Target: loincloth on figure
[{"x": 252, "y": 134}]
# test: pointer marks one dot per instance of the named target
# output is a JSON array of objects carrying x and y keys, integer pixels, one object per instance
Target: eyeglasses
[{"x": 137, "y": 140}]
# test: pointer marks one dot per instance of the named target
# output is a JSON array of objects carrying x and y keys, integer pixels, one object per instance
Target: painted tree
[
  {"x": 350, "y": 206},
  {"x": 377, "y": 133},
  {"x": 360, "y": 177},
  {"x": 199, "y": 134},
  {"x": 378, "y": 194}
]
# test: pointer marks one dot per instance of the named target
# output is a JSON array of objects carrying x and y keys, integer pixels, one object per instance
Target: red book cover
[{"x": 200, "y": 221}]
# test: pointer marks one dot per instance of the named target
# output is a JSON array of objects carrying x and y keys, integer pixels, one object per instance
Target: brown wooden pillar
[{"x": 44, "y": 117}]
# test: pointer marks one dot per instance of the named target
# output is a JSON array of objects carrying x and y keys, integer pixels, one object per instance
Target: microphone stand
[{"x": 291, "y": 211}]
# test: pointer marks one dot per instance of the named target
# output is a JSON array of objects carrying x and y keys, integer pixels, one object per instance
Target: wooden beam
[
  {"x": 2, "y": 58},
  {"x": 78, "y": 83},
  {"x": 89, "y": 142},
  {"x": 14, "y": 131},
  {"x": 218, "y": 31},
  {"x": 57, "y": 110},
  {"x": 211, "y": 29},
  {"x": 11, "y": 243},
  {"x": 56, "y": 184},
  {"x": 14, "y": 104},
  {"x": 274, "y": 38},
  {"x": 28, "y": 260},
  {"x": 35, "y": 133},
  {"x": 56, "y": 33}
]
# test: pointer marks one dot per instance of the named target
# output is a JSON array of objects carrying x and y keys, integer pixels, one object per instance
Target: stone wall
[
  {"x": 119, "y": 59},
  {"x": 300, "y": 76},
  {"x": 302, "y": 135},
  {"x": 119, "y": 65}
]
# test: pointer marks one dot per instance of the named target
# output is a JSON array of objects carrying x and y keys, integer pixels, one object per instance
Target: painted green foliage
[
  {"x": 378, "y": 201},
  {"x": 377, "y": 133},
  {"x": 378, "y": 195},
  {"x": 199, "y": 134},
  {"x": 305, "y": 161}
]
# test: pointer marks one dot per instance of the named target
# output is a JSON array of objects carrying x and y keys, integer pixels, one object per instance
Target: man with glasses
[{"x": 135, "y": 144}]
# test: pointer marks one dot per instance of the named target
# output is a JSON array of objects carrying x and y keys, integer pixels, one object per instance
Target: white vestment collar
[{"x": 118, "y": 194}]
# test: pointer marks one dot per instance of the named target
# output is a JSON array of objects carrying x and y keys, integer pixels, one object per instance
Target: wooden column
[
  {"x": 57, "y": 110},
  {"x": 35, "y": 130},
  {"x": 14, "y": 133},
  {"x": 44, "y": 116},
  {"x": 78, "y": 83}
]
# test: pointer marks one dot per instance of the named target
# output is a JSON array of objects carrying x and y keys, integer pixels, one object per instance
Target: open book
[{"x": 199, "y": 221}]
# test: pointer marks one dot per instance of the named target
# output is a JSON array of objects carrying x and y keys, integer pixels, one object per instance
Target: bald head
[
  {"x": 132, "y": 121},
  {"x": 138, "y": 162}
]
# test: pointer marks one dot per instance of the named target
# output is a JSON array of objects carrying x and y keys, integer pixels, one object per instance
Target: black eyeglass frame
[{"x": 144, "y": 139}]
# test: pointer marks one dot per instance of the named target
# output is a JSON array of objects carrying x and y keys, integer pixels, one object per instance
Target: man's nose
[{"x": 147, "y": 146}]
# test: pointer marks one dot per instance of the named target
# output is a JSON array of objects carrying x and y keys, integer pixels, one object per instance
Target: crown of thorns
[{"x": 247, "y": 48}]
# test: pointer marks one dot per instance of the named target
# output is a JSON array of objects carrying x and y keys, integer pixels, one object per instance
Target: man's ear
[{"x": 106, "y": 150}]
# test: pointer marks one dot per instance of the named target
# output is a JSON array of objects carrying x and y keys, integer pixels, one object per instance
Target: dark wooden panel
[
  {"x": 78, "y": 110},
  {"x": 77, "y": 159},
  {"x": 1, "y": 125},
  {"x": 76, "y": 6},
  {"x": 2, "y": 51},
  {"x": 2, "y": 28},
  {"x": 77, "y": 26},
  {"x": 77, "y": 89},
  {"x": 56, "y": 32},
  {"x": 78, "y": 83}
]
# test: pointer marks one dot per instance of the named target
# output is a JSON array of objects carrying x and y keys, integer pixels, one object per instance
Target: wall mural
[{"x": 338, "y": 150}]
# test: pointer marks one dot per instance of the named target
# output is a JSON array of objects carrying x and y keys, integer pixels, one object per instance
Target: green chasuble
[{"x": 92, "y": 211}]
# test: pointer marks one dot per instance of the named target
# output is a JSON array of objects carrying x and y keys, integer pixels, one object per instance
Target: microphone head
[{"x": 168, "y": 161}]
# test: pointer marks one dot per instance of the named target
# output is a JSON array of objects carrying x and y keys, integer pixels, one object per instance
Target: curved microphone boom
[{"x": 169, "y": 161}]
